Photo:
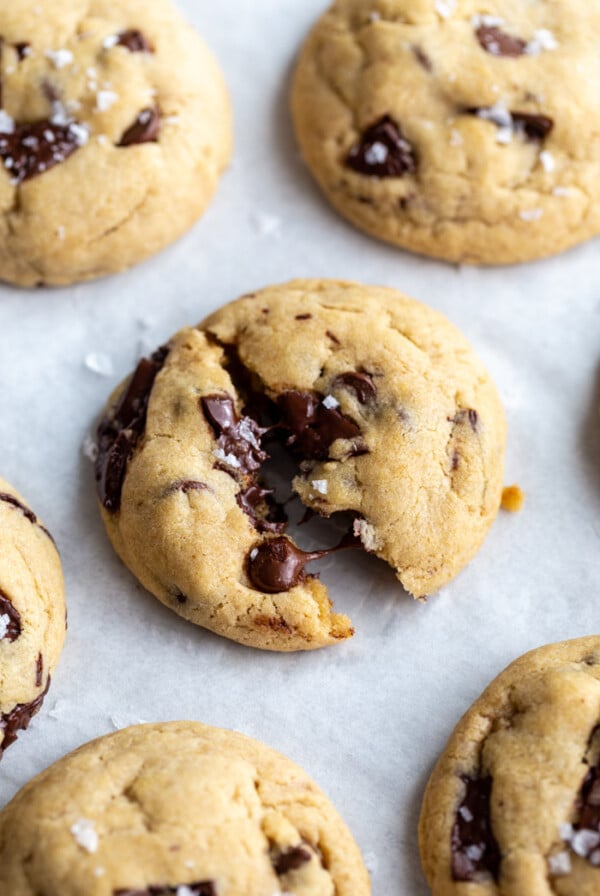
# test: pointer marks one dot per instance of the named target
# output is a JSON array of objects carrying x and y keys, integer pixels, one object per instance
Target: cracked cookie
[
  {"x": 176, "y": 808},
  {"x": 32, "y": 613},
  {"x": 456, "y": 129},
  {"x": 383, "y": 405},
  {"x": 513, "y": 805},
  {"x": 114, "y": 128}
]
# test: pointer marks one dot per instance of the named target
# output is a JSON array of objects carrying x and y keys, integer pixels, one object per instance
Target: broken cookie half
[{"x": 385, "y": 409}]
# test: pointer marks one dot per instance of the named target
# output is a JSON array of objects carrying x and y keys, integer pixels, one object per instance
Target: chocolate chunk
[
  {"x": 22, "y": 49},
  {"x": 333, "y": 337},
  {"x": 258, "y": 503},
  {"x": 186, "y": 486},
  {"x": 7, "y": 608},
  {"x": 237, "y": 437},
  {"x": 422, "y": 58},
  {"x": 291, "y": 859},
  {"x": 303, "y": 316},
  {"x": 498, "y": 42},
  {"x": 119, "y": 432},
  {"x": 383, "y": 151},
  {"x": 277, "y": 565},
  {"x": 360, "y": 383},
  {"x": 145, "y": 129},
  {"x": 33, "y": 149},
  {"x": 39, "y": 670},
  {"x": 588, "y": 809},
  {"x": 135, "y": 41},
  {"x": 10, "y": 499},
  {"x": 535, "y": 127},
  {"x": 467, "y": 414},
  {"x": 474, "y": 847},
  {"x": 313, "y": 426},
  {"x": 18, "y": 719},
  {"x": 203, "y": 888}
]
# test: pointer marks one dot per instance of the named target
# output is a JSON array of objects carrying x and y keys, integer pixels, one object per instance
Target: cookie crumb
[
  {"x": 85, "y": 834},
  {"x": 513, "y": 499}
]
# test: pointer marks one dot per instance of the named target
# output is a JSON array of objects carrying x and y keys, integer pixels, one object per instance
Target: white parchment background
[{"x": 366, "y": 719}]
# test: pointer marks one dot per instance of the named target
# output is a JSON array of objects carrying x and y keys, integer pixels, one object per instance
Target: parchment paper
[{"x": 366, "y": 719}]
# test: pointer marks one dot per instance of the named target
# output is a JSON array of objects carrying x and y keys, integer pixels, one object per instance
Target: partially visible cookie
[
  {"x": 177, "y": 808},
  {"x": 513, "y": 805},
  {"x": 464, "y": 131},
  {"x": 387, "y": 411},
  {"x": 32, "y": 613},
  {"x": 114, "y": 128}
]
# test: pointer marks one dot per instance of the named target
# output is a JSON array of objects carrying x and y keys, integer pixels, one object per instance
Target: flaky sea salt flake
[
  {"x": 560, "y": 863},
  {"x": 7, "y": 124},
  {"x": 85, "y": 834},
  {"x": 4, "y": 623},
  {"x": 330, "y": 402},
  {"x": 531, "y": 214},
  {"x": 445, "y": 8},
  {"x": 320, "y": 485},
  {"x": 60, "y": 58}
]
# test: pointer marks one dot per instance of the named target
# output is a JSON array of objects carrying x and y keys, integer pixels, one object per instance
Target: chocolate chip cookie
[
  {"x": 383, "y": 405},
  {"x": 32, "y": 613},
  {"x": 513, "y": 805},
  {"x": 456, "y": 129},
  {"x": 114, "y": 128},
  {"x": 176, "y": 808}
]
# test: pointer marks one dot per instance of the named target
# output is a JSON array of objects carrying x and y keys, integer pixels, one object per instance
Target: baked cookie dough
[
  {"x": 513, "y": 805},
  {"x": 382, "y": 402},
  {"x": 456, "y": 129},
  {"x": 32, "y": 613},
  {"x": 114, "y": 128},
  {"x": 176, "y": 808}
]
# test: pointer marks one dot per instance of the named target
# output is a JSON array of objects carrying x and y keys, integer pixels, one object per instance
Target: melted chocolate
[
  {"x": 18, "y": 719},
  {"x": 238, "y": 437},
  {"x": 257, "y": 503},
  {"x": 134, "y": 41},
  {"x": 498, "y": 42},
  {"x": 314, "y": 427},
  {"x": 120, "y": 431},
  {"x": 202, "y": 888},
  {"x": 474, "y": 847},
  {"x": 145, "y": 129},
  {"x": 33, "y": 149},
  {"x": 467, "y": 414},
  {"x": 535, "y": 127},
  {"x": 277, "y": 565},
  {"x": 291, "y": 859},
  {"x": 360, "y": 383},
  {"x": 7, "y": 608},
  {"x": 422, "y": 58},
  {"x": 383, "y": 151},
  {"x": 10, "y": 499}
]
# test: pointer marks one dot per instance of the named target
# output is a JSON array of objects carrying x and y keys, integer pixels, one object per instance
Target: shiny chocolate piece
[
  {"x": 7, "y": 608},
  {"x": 119, "y": 432},
  {"x": 497, "y": 42},
  {"x": 237, "y": 437},
  {"x": 358, "y": 382},
  {"x": 18, "y": 719},
  {"x": 35, "y": 148},
  {"x": 258, "y": 503},
  {"x": 290, "y": 859},
  {"x": 313, "y": 427},
  {"x": 134, "y": 41},
  {"x": 474, "y": 847},
  {"x": 383, "y": 151},
  {"x": 145, "y": 129},
  {"x": 535, "y": 127},
  {"x": 277, "y": 565},
  {"x": 202, "y": 888},
  {"x": 465, "y": 415}
]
